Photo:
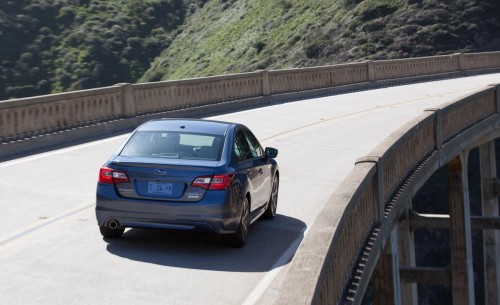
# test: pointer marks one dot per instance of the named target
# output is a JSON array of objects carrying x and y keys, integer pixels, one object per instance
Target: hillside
[
  {"x": 61, "y": 45},
  {"x": 247, "y": 35}
]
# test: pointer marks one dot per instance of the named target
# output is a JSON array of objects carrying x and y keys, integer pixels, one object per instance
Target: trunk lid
[{"x": 162, "y": 179}]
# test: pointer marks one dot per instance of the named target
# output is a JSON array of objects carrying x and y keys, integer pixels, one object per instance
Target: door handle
[{"x": 261, "y": 171}]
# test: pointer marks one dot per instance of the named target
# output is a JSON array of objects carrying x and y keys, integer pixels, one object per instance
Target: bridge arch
[{"x": 357, "y": 227}]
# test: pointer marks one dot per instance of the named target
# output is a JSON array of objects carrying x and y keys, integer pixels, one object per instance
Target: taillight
[
  {"x": 109, "y": 175},
  {"x": 203, "y": 182},
  {"x": 214, "y": 183}
]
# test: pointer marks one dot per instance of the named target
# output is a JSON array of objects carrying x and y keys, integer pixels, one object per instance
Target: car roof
[{"x": 187, "y": 125}]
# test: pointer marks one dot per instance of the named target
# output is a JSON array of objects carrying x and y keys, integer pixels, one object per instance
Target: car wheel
[
  {"x": 238, "y": 239},
  {"x": 111, "y": 233},
  {"x": 272, "y": 204}
]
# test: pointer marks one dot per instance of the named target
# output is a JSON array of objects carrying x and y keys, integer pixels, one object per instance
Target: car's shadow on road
[{"x": 266, "y": 244}]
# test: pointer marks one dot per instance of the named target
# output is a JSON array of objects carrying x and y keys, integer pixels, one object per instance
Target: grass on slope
[
  {"x": 248, "y": 35},
  {"x": 231, "y": 36}
]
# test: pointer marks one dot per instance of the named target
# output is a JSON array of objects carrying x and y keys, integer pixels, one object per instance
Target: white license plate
[{"x": 157, "y": 188}]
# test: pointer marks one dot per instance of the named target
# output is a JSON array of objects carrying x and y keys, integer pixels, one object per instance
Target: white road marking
[{"x": 264, "y": 283}]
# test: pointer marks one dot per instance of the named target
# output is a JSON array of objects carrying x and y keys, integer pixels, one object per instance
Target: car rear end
[{"x": 171, "y": 176}]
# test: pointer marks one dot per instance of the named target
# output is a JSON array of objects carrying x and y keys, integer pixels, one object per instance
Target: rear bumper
[{"x": 215, "y": 213}]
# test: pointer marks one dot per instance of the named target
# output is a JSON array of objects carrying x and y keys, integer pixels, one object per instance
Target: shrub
[
  {"x": 377, "y": 11},
  {"x": 259, "y": 46}
]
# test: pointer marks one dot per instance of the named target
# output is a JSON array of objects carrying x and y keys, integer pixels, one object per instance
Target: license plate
[{"x": 157, "y": 188}]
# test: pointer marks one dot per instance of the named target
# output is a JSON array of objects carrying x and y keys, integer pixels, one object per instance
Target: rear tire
[
  {"x": 238, "y": 239},
  {"x": 272, "y": 204},
  {"x": 111, "y": 233}
]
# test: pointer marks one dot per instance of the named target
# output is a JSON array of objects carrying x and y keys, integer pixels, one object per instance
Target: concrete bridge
[{"x": 346, "y": 212}]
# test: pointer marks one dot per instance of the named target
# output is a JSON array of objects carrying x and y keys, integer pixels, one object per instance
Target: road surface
[{"x": 51, "y": 251}]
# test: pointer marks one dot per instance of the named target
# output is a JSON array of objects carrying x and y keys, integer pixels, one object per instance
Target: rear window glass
[{"x": 175, "y": 145}]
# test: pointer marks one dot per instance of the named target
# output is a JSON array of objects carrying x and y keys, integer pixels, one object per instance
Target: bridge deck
[{"x": 51, "y": 251}]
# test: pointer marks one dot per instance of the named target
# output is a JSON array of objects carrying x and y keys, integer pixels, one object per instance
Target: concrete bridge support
[
  {"x": 399, "y": 287},
  {"x": 491, "y": 238},
  {"x": 407, "y": 256},
  {"x": 462, "y": 273}
]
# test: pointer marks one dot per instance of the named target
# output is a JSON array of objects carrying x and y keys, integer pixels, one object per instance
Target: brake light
[
  {"x": 221, "y": 182},
  {"x": 214, "y": 183},
  {"x": 203, "y": 182},
  {"x": 111, "y": 176}
]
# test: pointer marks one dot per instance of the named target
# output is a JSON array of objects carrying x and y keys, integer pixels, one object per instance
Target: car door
[
  {"x": 263, "y": 168},
  {"x": 249, "y": 165}
]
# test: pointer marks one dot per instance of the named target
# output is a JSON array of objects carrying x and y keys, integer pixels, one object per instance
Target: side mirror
[{"x": 271, "y": 152}]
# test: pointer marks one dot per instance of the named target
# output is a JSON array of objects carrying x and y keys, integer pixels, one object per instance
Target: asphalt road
[{"x": 51, "y": 251}]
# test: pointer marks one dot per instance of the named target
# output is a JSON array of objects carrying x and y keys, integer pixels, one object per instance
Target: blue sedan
[{"x": 188, "y": 174}]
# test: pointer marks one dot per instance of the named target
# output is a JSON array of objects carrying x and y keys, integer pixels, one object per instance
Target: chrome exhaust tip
[{"x": 113, "y": 224}]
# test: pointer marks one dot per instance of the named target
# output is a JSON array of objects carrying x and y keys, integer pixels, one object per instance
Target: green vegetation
[
  {"x": 249, "y": 35},
  {"x": 60, "y": 45}
]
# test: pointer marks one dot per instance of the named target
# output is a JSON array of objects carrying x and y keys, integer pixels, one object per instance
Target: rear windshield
[{"x": 174, "y": 145}]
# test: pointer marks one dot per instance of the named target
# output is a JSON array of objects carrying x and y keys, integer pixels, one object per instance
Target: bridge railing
[
  {"x": 472, "y": 61},
  {"x": 398, "y": 68},
  {"x": 25, "y": 118},
  {"x": 162, "y": 96},
  {"x": 346, "y": 248},
  {"x": 470, "y": 110},
  {"x": 291, "y": 80},
  {"x": 338, "y": 255}
]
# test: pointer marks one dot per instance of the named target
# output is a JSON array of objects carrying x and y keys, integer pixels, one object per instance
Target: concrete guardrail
[
  {"x": 44, "y": 121},
  {"x": 357, "y": 219},
  {"x": 336, "y": 259}
]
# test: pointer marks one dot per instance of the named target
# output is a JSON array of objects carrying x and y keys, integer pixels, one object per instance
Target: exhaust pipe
[{"x": 113, "y": 224}]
